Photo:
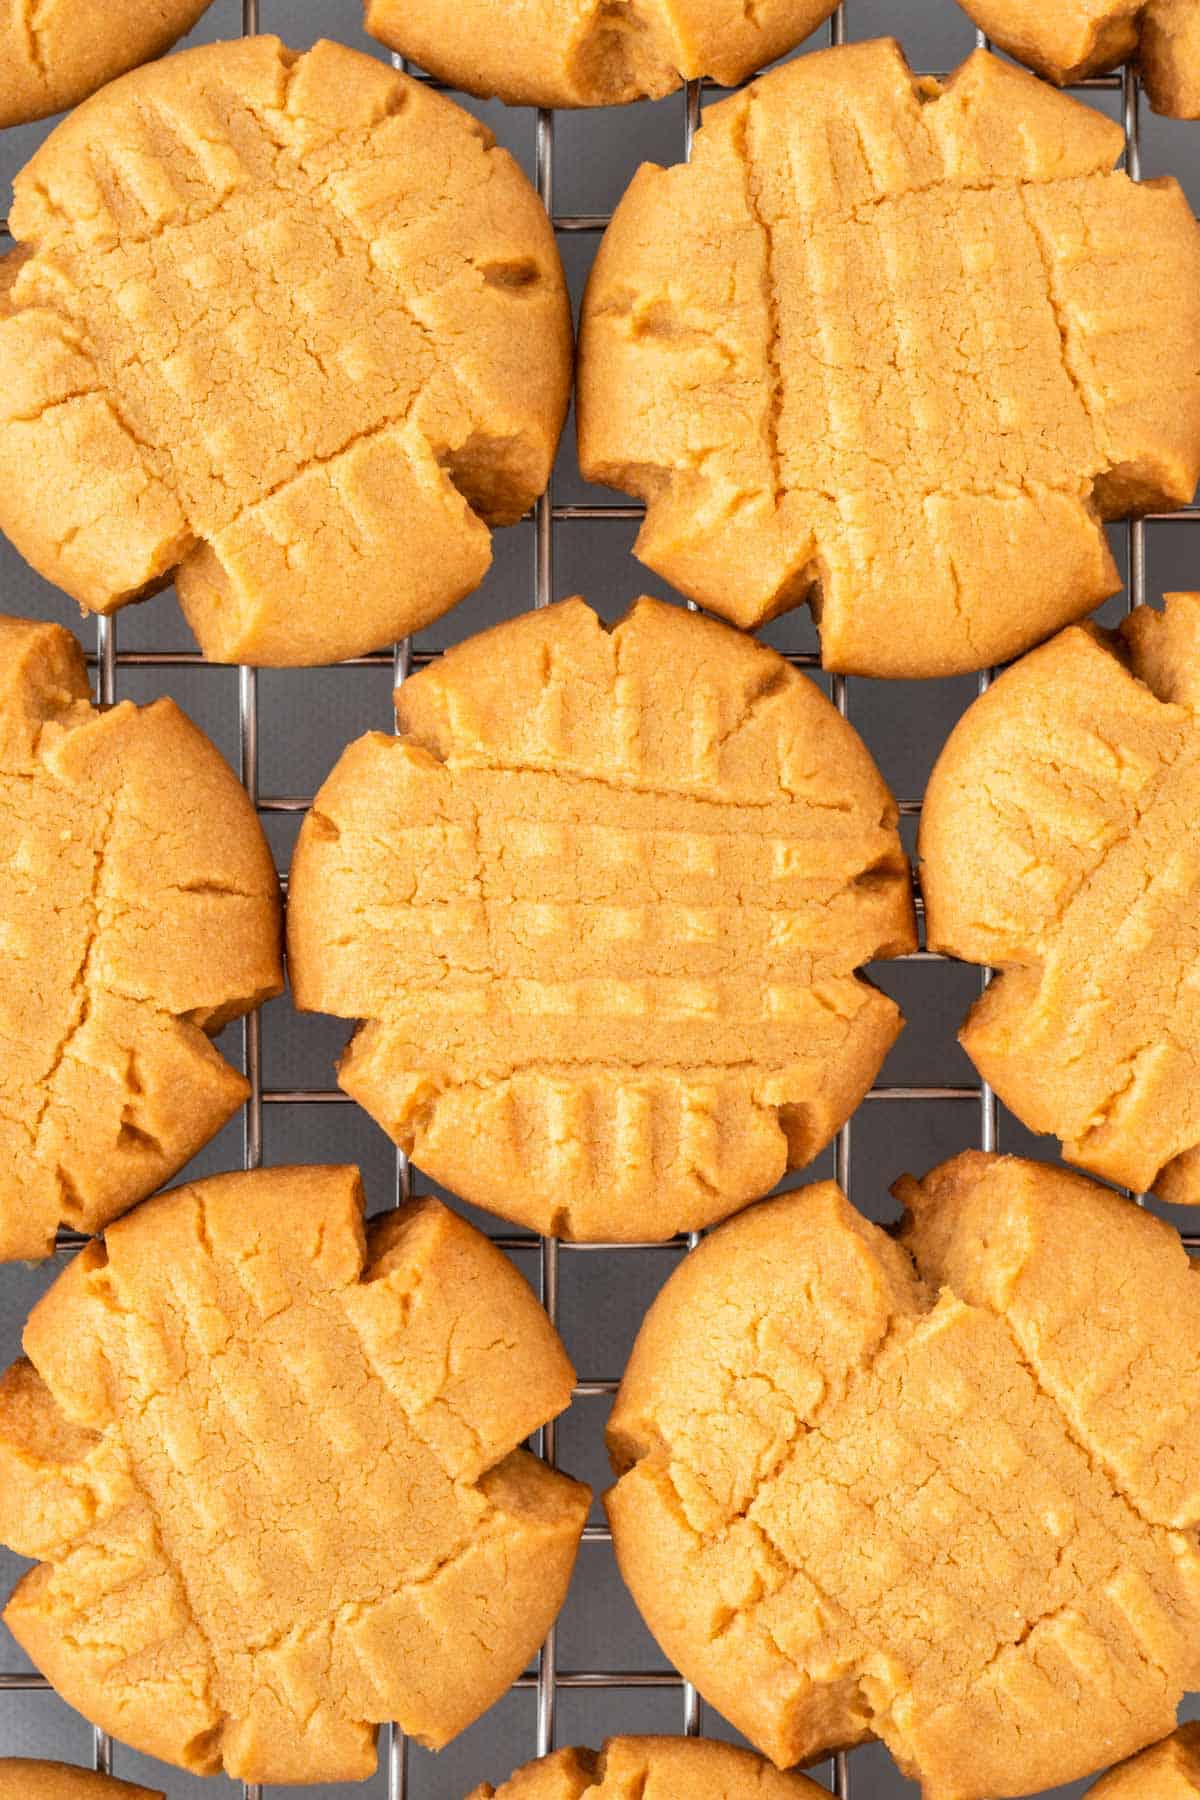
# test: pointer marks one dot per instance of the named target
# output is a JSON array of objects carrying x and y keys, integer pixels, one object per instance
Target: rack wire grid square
[{"x": 598, "y": 1671}]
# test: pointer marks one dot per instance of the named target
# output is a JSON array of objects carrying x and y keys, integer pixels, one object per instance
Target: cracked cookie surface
[
  {"x": 291, "y": 327},
  {"x": 601, "y": 906},
  {"x": 1059, "y": 843},
  {"x": 591, "y": 52},
  {"x": 896, "y": 348},
  {"x": 652, "y": 1768},
  {"x": 52, "y": 55},
  {"x": 942, "y": 1491},
  {"x": 139, "y": 913},
  {"x": 269, "y": 1460},
  {"x": 1168, "y": 1771},
  {"x": 1075, "y": 38},
  {"x": 22, "y": 1778}
]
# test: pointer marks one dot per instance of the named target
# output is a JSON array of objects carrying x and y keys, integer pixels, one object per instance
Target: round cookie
[
  {"x": 269, "y": 1460},
  {"x": 586, "y": 53},
  {"x": 651, "y": 1768},
  {"x": 942, "y": 1491},
  {"x": 53, "y": 55},
  {"x": 1170, "y": 1771},
  {"x": 290, "y": 328},
  {"x": 1058, "y": 841},
  {"x": 23, "y": 1779},
  {"x": 1075, "y": 38},
  {"x": 139, "y": 914},
  {"x": 896, "y": 348},
  {"x": 601, "y": 906}
]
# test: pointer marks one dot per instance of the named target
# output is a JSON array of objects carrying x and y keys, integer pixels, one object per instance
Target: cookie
[
  {"x": 290, "y": 328},
  {"x": 1058, "y": 842},
  {"x": 51, "y": 57},
  {"x": 269, "y": 1460},
  {"x": 651, "y": 1768},
  {"x": 941, "y": 1491},
  {"x": 139, "y": 914},
  {"x": 531, "y": 53},
  {"x": 1076, "y": 38},
  {"x": 896, "y": 348},
  {"x": 601, "y": 906},
  {"x": 23, "y": 1779},
  {"x": 1170, "y": 1771}
]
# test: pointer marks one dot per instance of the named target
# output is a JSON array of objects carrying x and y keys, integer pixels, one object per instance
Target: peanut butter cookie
[
  {"x": 652, "y": 1768},
  {"x": 1073, "y": 38},
  {"x": 290, "y": 328},
  {"x": 942, "y": 1491},
  {"x": 139, "y": 913},
  {"x": 270, "y": 1462},
  {"x": 23, "y": 1779},
  {"x": 1059, "y": 842},
  {"x": 53, "y": 53},
  {"x": 897, "y": 348},
  {"x": 601, "y": 906},
  {"x": 589, "y": 52},
  {"x": 1170, "y": 1771}
]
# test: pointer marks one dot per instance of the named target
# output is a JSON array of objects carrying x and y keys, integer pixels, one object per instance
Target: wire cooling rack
[{"x": 548, "y": 1680}]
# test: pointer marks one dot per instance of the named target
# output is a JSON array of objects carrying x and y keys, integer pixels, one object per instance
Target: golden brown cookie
[
  {"x": 897, "y": 348},
  {"x": 1069, "y": 39},
  {"x": 1170, "y": 1771},
  {"x": 651, "y": 1768},
  {"x": 943, "y": 1491},
  {"x": 139, "y": 913},
  {"x": 1059, "y": 842},
  {"x": 269, "y": 1462},
  {"x": 24, "y": 1779},
  {"x": 589, "y": 52},
  {"x": 53, "y": 53},
  {"x": 289, "y": 327},
  {"x": 601, "y": 905}
]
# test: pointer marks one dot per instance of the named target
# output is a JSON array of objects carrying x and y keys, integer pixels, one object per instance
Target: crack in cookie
[
  {"x": 887, "y": 345},
  {"x": 943, "y": 1492},
  {"x": 270, "y": 1461},
  {"x": 289, "y": 328},
  {"x": 651, "y": 1768},
  {"x": 139, "y": 914},
  {"x": 1058, "y": 841},
  {"x": 602, "y": 905}
]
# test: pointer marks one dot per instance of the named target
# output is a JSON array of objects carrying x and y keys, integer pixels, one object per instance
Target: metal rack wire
[{"x": 548, "y": 1679}]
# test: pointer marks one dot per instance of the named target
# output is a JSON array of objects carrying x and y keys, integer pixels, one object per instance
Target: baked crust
[
  {"x": 669, "y": 1767},
  {"x": 898, "y": 348},
  {"x": 52, "y": 56},
  {"x": 1058, "y": 842},
  {"x": 943, "y": 1491},
  {"x": 288, "y": 328},
  {"x": 601, "y": 906},
  {"x": 139, "y": 913},
  {"x": 269, "y": 1460}
]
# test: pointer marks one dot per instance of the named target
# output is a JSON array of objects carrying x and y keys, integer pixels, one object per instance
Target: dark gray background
[{"x": 306, "y": 719}]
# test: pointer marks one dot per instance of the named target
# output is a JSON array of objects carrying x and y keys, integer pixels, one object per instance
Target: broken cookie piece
[
  {"x": 591, "y": 52},
  {"x": 897, "y": 348},
  {"x": 139, "y": 914},
  {"x": 601, "y": 905},
  {"x": 1059, "y": 843},
  {"x": 942, "y": 1490},
  {"x": 268, "y": 1457},
  {"x": 652, "y": 1768},
  {"x": 288, "y": 329}
]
